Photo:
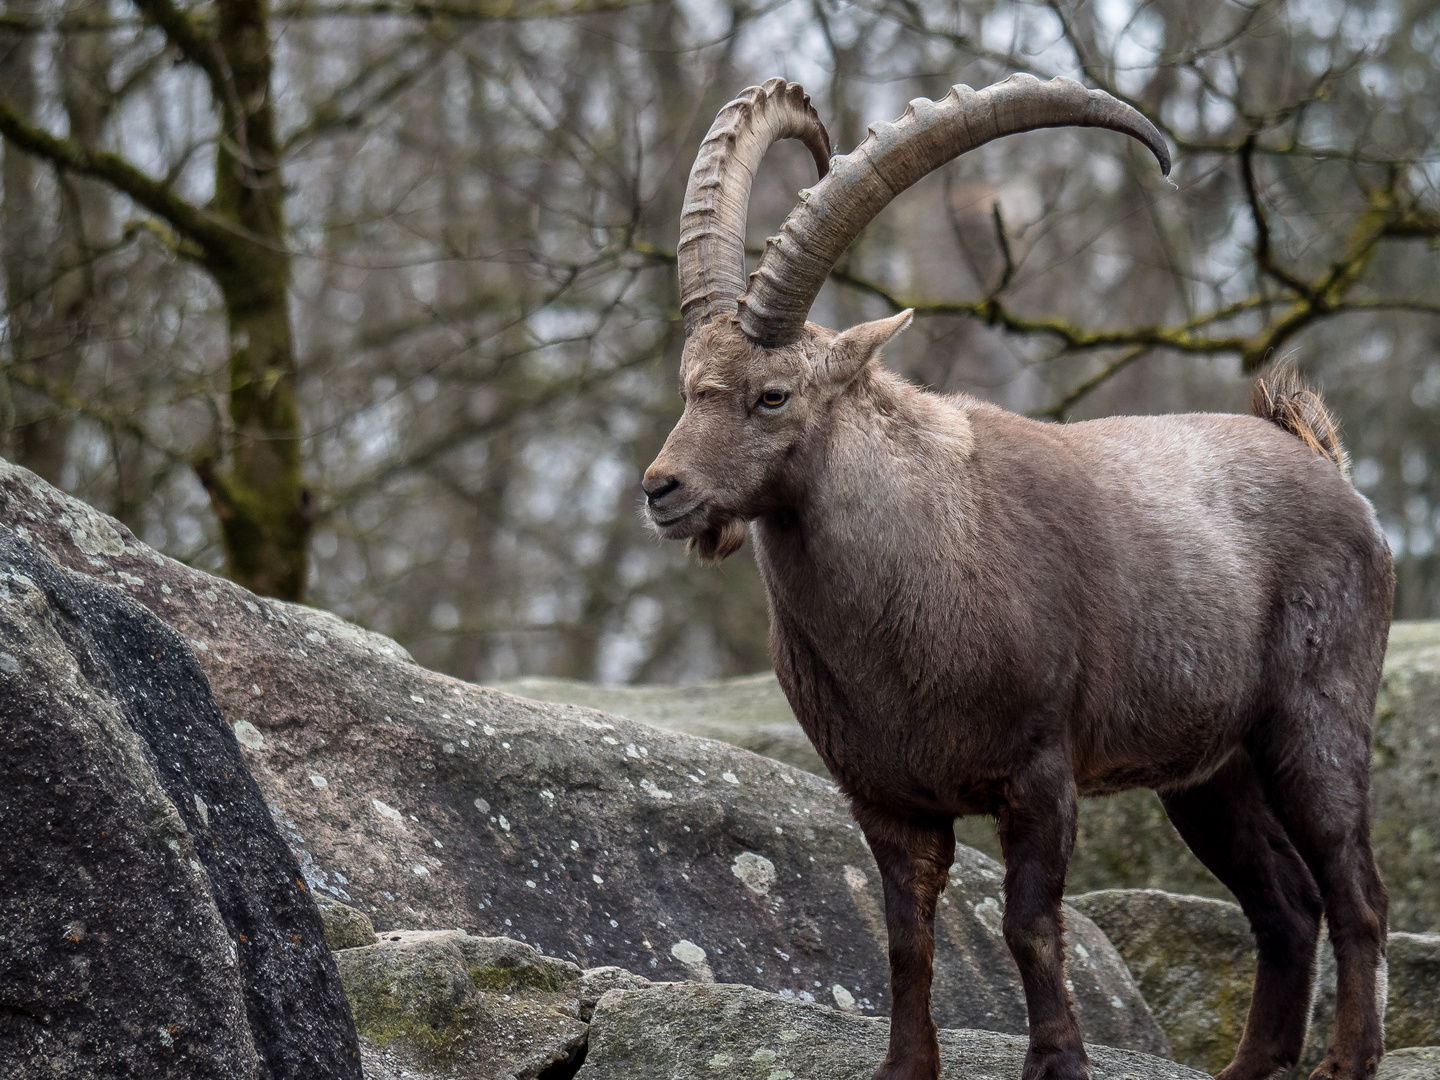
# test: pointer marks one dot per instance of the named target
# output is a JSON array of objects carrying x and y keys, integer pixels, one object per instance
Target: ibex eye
[{"x": 773, "y": 399}]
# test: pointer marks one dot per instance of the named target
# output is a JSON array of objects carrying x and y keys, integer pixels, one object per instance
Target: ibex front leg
[
  {"x": 1037, "y": 835},
  {"x": 914, "y": 856}
]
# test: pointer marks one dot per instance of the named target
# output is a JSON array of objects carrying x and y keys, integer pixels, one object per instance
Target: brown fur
[
  {"x": 1283, "y": 398},
  {"x": 976, "y": 613}
]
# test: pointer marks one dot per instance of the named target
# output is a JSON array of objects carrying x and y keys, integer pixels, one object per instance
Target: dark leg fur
[
  {"x": 1319, "y": 784},
  {"x": 1233, "y": 831},
  {"x": 1037, "y": 834},
  {"x": 914, "y": 857}
]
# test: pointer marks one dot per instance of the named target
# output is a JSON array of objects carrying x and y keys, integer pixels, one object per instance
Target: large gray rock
[
  {"x": 749, "y": 711},
  {"x": 1125, "y": 840},
  {"x": 700, "y": 1032},
  {"x": 152, "y": 920},
  {"x": 444, "y": 1003},
  {"x": 1194, "y": 959},
  {"x": 1405, "y": 774},
  {"x": 1413, "y": 1063},
  {"x": 345, "y": 927},
  {"x": 431, "y": 803}
]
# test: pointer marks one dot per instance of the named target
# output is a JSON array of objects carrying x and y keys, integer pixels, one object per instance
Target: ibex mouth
[{"x": 667, "y": 524}]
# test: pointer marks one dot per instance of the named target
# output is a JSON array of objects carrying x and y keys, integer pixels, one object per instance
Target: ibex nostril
[{"x": 659, "y": 487}]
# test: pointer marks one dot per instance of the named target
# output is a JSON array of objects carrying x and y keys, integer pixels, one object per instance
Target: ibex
[{"x": 976, "y": 613}]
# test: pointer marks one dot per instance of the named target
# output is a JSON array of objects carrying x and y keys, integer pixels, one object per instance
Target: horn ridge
[
  {"x": 711, "y": 254},
  {"x": 894, "y": 156}
]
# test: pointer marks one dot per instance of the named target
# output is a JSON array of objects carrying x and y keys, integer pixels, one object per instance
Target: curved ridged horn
[
  {"x": 894, "y": 156},
  {"x": 717, "y": 198}
]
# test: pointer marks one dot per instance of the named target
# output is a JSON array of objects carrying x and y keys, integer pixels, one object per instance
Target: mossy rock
[
  {"x": 478, "y": 1007},
  {"x": 1194, "y": 960},
  {"x": 1411, "y": 1063},
  {"x": 707, "y": 1031},
  {"x": 345, "y": 927}
]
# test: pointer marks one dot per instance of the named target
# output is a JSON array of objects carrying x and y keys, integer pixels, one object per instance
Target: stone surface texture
[
  {"x": 1194, "y": 959},
  {"x": 1405, "y": 771},
  {"x": 153, "y": 922},
  {"x": 1124, "y": 841},
  {"x": 691, "y": 1031},
  {"x": 1414, "y": 1063},
  {"x": 445, "y": 1003},
  {"x": 430, "y": 803},
  {"x": 345, "y": 928}
]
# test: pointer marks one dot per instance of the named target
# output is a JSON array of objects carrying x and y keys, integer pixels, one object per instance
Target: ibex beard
[{"x": 976, "y": 613}]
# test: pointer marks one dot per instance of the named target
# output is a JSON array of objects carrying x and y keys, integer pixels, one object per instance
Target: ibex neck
[{"x": 886, "y": 485}]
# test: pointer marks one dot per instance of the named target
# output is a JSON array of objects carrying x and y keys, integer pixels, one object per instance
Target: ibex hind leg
[
  {"x": 1315, "y": 765},
  {"x": 1232, "y": 830}
]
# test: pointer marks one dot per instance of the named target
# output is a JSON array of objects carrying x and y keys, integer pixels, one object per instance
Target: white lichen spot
[
  {"x": 547, "y": 795},
  {"x": 609, "y": 740},
  {"x": 315, "y": 637},
  {"x": 200, "y": 645},
  {"x": 165, "y": 589},
  {"x": 1116, "y": 1002},
  {"x": 574, "y": 845},
  {"x": 764, "y": 1057},
  {"x": 9, "y": 664},
  {"x": 1082, "y": 952},
  {"x": 318, "y": 781},
  {"x": 387, "y": 811},
  {"x": 250, "y": 606},
  {"x": 482, "y": 806},
  {"x": 488, "y": 730},
  {"x": 788, "y": 779},
  {"x": 844, "y": 1000},
  {"x": 419, "y": 871},
  {"x": 780, "y": 1074},
  {"x": 855, "y": 878},
  {"x": 990, "y": 916},
  {"x": 469, "y": 722},
  {"x": 719, "y": 1061},
  {"x": 255, "y": 689},
  {"x": 248, "y": 735},
  {"x": 597, "y": 879},
  {"x": 210, "y": 595},
  {"x": 729, "y": 778},
  {"x": 417, "y": 699},
  {"x": 448, "y": 747},
  {"x": 755, "y": 871},
  {"x": 649, "y": 787},
  {"x": 503, "y": 823},
  {"x": 131, "y": 579},
  {"x": 195, "y": 865},
  {"x": 687, "y": 952},
  {"x": 202, "y": 810},
  {"x": 529, "y": 884}
]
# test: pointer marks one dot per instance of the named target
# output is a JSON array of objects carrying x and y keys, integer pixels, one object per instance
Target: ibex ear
[{"x": 849, "y": 352}]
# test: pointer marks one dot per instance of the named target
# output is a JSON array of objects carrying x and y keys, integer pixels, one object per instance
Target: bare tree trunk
[
  {"x": 29, "y": 424},
  {"x": 261, "y": 499}
]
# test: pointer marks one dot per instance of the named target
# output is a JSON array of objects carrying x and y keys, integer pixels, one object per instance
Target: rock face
[
  {"x": 152, "y": 920},
  {"x": 1124, "y": 841},
  {"x": 1194, "y": 959},
  {"x": 749, "y": 711},
  {"x": 697, "y": 1032},
  {"x": 431, "y": 803},
  {"x": 469, "y": 1008},
  {"x": 345, "y": 928},
  {"x": 1406, "y": 776},
  {"x": 1415, "y": 1063}
]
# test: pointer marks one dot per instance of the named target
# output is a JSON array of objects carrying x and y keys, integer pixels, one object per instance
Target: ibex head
[{"x": 758, "y": 379}]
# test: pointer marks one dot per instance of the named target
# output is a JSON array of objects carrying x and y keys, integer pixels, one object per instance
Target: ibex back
[{"x": 976, "y": 613}]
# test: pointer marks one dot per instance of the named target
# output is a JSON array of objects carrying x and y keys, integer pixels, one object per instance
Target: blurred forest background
[{"x": 372, "y": 302}]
